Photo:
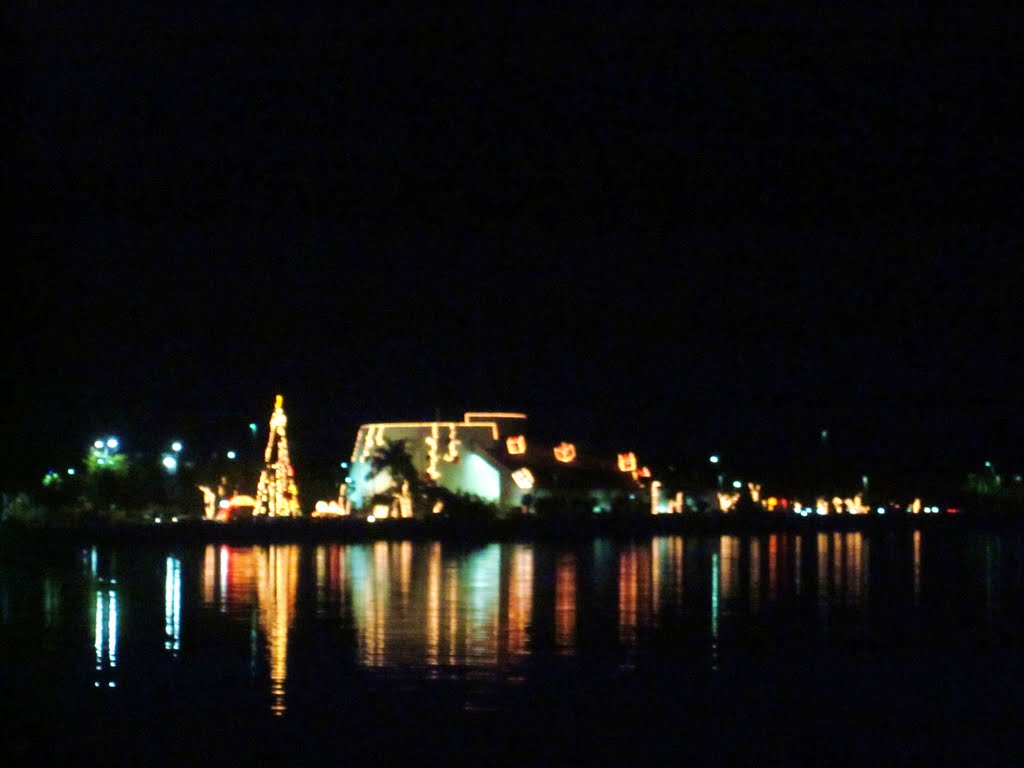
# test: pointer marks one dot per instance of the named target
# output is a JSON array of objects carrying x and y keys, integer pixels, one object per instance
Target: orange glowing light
[
  {"x": 627, "y": 462},
  {"x": 516, "y": 444},
  {"x": 644, "y": 472},
  {"x": 565, "y": 452}
]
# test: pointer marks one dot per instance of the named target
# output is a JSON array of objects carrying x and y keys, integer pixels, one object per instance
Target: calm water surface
[{"x": 892, "y": 620}]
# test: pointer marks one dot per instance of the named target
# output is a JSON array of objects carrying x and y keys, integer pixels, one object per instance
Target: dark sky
[{"x": 676, "y": 231}]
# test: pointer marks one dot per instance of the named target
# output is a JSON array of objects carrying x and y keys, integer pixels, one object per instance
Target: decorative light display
[
  {"x": 340, "y": 508},
  {"x": 727, "y": 501},
  {"x": 452, "y": 451},
  {"x": 675, "y": 506},
  {"x": 565, "y": 453},
  {"x": 655, "y": 496},
  {"x": 755, "y": 492},
  {"x": 404, "y": 501},
  {"x": 276, "y": 492},
  {"x": 516, "y": 445},
  {"x": 855, "y": 506},
  {"x": 523, "y": 478},
  {"x": 431, "y": 441},
  {"x": 209, "y": 501},
  {"x": 627, "y": 462}
]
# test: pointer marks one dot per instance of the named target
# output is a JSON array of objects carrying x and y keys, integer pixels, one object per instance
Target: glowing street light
[{"x": 713, "y": 459}]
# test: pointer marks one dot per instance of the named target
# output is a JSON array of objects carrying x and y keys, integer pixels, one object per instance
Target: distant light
[
  {"x": 174, "y": 519},
  {"x": 71, "y": 470},
  {"x": 176, "y": 446},
  {"x": 713, "y": 459},
  {"x": 371, "y": 519},
  {"x": 252, "y": 427},
  {"x": 231, "y": 454},
  {"x": 156, "y": 520},
  {"x": 344, "y": 465},
  {"x": 112, "y": 443},
  {"x": 737, "y": 484},
  {"x": 348, "y": 480},
  {"x": 98, "y": 444},
  {"x": 880, "y": 510},
  {"x": 170, "y": 463},
  {"x": 223, "y": 503}
]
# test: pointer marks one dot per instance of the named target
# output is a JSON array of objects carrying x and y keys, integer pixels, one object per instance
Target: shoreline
[{"x": 310, "y": 530}]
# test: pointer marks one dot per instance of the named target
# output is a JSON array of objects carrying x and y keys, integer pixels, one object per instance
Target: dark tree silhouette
[{"x": 394, "y": 457}]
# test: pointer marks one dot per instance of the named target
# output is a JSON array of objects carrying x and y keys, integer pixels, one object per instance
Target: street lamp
[{"x": 714, "y": 459}]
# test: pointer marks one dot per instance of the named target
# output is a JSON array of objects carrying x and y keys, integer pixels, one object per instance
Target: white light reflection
[
  {"x": 714, "y": 611},
  {"x": 105, "y": 638},
  {"x": 172, "y": 606}
]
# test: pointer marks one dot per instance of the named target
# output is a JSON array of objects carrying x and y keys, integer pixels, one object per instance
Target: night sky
[{"x": 678, "y": 232}]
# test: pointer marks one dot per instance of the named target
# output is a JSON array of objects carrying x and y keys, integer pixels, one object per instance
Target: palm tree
[{"x": 394, "y": 458}]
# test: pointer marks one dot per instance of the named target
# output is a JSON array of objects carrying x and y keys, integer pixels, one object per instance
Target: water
[{"x": 823, "y": 645}]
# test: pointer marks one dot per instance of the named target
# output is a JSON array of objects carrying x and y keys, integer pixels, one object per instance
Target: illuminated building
[{"x": 485, "y": 455}]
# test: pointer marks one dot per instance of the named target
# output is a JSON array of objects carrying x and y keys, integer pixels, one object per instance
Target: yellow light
[
  {"x": 855, "y": 506},
  {"x": 452, "y": 451},
  {"x": 276, "y": 492},
  {"x": 772, "y": 503},
  {"x": 727, "y": 501},
  {"x": 915, "y": 506},
  {"x": 516, "y": 445},
  {"x": 675, "y": 506},
  {"x": 523, "y": 478},
  {"x": 655, "y": 496},
  {"x": 565, "y": 452},
  {"x": 438, "y": 506},
  {"x": 431, "y": 442},
  {"x": 469, "y": 416},
  {"x": 209, "y": 501},
  {"x": 380, "y": 511},
  {"x": 755, "y": 492},
  {"x": 627, "y": 462}
]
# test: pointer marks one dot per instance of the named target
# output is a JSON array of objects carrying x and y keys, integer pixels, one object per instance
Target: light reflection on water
[{"x": 400, "y": 605}]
